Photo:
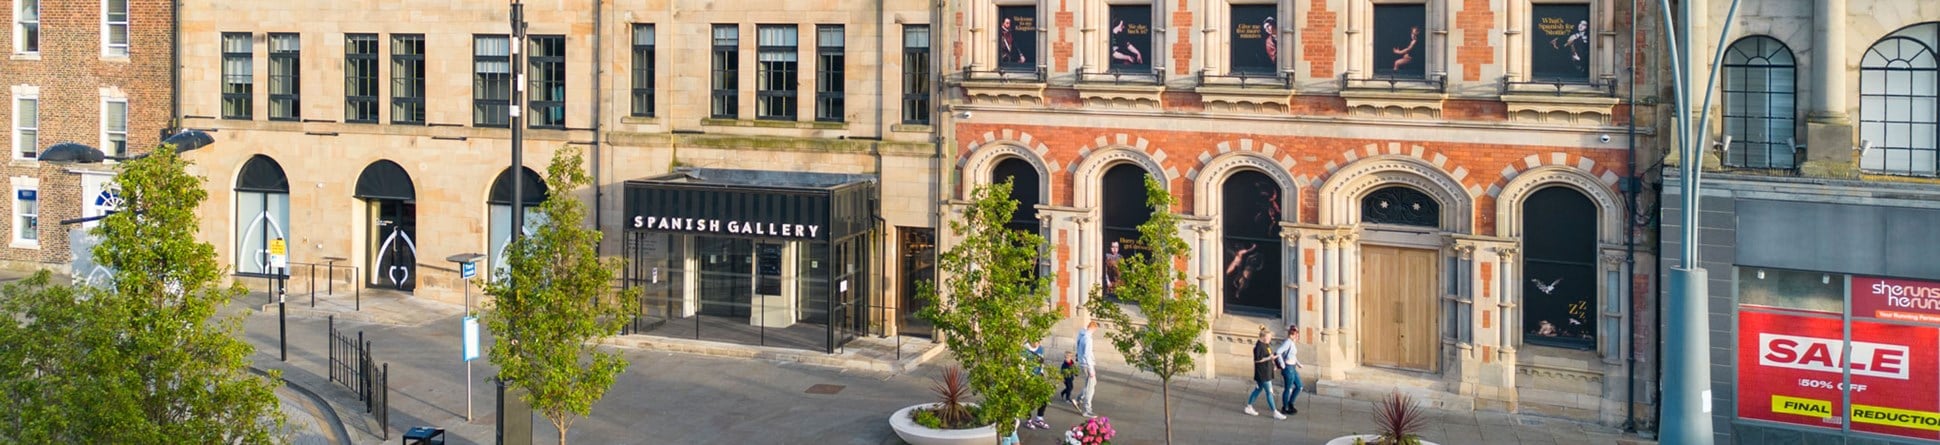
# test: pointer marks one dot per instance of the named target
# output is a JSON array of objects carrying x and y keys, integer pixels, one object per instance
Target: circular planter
[
  {"x": 1369, "y": 438},
  {"x": 907, "y": 429}
]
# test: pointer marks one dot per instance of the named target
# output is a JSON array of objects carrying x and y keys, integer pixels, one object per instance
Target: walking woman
[
  {"x": 1265, "y": 365},
  {"x": 1290, "y": 369}
]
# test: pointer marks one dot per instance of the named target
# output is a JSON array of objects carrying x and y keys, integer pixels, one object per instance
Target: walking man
[
  {"x": 1087, "y": 365},
  {"x": 1289, "y": 370}
]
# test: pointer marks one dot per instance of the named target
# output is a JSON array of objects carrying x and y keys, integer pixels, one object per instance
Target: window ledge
[
  {"x": 1560, "y": 109},
  {"x": 758, "y": 123},
  {"x": 1235, "y": 97},
  {"x": 24, "y": 162},
  {"x": 25, "y": 244},
  {"x": 26, "y": 56},
  {"x": 983, "y": 91},
  {"x": 639, "y": 120},
  {"x": 910, "y": 128},
  {"x": 1387, "y": 104},
  {"x": 120, "y": 59},
  {"x": 1121, "y": 96}
]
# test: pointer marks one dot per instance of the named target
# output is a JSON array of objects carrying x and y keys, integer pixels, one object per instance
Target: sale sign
[
  {"x": 1894, "y": 299},
  {"x": 1790, "y": 370}
]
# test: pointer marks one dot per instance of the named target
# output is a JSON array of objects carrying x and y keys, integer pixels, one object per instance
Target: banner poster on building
[
  {"x": 1559, "y": 49},
  {"x": 1131, "y": 38},
  {"x": 1398, "y": 41},
  {"x": 1896, "y": 300},
  {"x": 1255, "y": 46},
  {"x": 1017, "y": 38},
  {"x": 1250, "y": 229},
  {"x": 1789, "y": 371}
]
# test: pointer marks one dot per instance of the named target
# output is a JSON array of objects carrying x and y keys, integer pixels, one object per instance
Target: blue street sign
[{"x": 467, "y": 270}]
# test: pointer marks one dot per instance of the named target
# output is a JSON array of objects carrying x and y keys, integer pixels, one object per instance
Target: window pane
[
  {"x": 29, "y": 114},
  {"x": 117, "y": 119}
]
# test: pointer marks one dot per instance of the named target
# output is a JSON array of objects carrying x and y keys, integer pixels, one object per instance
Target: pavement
[{"x": 684, "y": 394}]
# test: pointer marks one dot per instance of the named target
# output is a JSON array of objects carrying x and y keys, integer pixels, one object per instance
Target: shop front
[{"x": 752, "y": 257}]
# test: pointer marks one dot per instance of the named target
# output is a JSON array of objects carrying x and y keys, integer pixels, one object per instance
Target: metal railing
[
  {"x": 1037, "y": 75},
  {"x": 1116, "y": 77},
  {"x": 1431, "y": 84},
  {"x": 351, "y": 366},
  {"x": 1247, "y": 80},
  {"x": 310, "y": 280}
]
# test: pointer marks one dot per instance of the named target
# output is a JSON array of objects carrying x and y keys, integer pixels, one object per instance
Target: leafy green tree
[
  {"x": 1174, "y": 310},
  {"x": 994, "y": 304},
  {"x": 145, "y": 358},
  {"x": 554, "y": 296}
]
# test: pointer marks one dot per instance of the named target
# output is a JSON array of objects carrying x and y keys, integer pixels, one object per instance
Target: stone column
[
  {"x": 1466, "y": 363},
  {"x": 1828, "y": 133},
  {"x": 1207, "y": 274},
  {"x": 1496, "y": 374}
]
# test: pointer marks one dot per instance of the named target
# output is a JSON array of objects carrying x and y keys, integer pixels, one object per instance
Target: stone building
[
  {"x": 97, "y": 73},
  {"x": 1442, "y": 195},
  {"x": 1816, "y": 222},
  {"x": 374, "y": 135}
]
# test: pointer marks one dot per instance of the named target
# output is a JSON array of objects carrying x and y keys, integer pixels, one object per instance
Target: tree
[
  {"x": 554, "y": 296},
  {"x": 994, "y": 304},
  {"x": 1174, "y": 309},
  {"x": 145, "y": 358}
]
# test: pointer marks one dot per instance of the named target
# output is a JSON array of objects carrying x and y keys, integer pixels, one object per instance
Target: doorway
[
  {"x": 1398, "y": 304},
  {"x": 919, "y": 265},
  {"x": 394, "y": 227},
  {"x": 727, "y": 284}
]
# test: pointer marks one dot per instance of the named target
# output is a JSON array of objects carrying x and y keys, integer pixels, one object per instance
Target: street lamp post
[
  {"x": 518, "y": 123},
  {"x": 1686, "y": 368}
]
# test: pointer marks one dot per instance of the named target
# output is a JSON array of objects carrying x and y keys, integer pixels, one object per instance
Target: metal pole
[
  {"x": 282, "y": 323},
  {"x": 518, "y": 124},
  {"x": 468, "y": 362}
]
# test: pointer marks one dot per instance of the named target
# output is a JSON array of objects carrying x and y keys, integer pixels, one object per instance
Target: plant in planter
[
  {"x": 1094, "y": 431},
  {"x": 951, "y": 420},
  {"x": 1398, "y": 420}
]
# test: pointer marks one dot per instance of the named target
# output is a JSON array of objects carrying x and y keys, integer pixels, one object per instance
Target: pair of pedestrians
[
  {"x": 1076, "y": 363},
  {"x": 1266, "y": 360}
]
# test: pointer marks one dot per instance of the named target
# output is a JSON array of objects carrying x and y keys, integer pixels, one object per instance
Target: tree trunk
[{"x": 1165, "y": 397}]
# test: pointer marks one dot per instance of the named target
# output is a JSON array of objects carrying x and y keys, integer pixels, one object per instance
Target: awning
[
  {"x": 262, "y": 174},
  {"x": 385, "y": 180},
  {"x": 752, "y": 203},
  {"x": 534, "y": 188}
]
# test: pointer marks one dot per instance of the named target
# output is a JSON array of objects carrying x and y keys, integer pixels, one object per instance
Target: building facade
[
  {"x": 374, "y": 136},
  {"x": 1441, "y": 195},
  {"x": 1815, "y": 223},
  {"x": 97, "y": 73}
]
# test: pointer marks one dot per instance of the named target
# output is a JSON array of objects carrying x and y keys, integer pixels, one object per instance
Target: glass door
[{"x": 727, "y": 284}]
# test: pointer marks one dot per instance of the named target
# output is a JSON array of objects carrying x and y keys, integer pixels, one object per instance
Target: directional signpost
[
  {"x": 279, "y": 264},
  {"x": 467, "y": 269}
]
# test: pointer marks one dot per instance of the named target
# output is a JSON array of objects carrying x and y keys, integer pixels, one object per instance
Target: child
[{"x": 1069, "y": 371}]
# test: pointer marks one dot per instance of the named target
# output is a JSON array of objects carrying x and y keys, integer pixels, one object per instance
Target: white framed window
[
  {"x": 114, "y": 28},
  {"x": 26, "y": 214},
  {"x": 114, "y": 126},
  {"x": 26, "y": 124},
  {"x": 26, "y": 26}
]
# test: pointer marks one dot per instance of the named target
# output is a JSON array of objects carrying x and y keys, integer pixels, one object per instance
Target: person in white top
[
  {"x": 1087, "y": 366},
  {"x": 1290, "y": 363}
]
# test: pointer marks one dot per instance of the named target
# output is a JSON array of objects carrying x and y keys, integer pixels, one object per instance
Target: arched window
[
  {"x": 262, "y": 213},
  {"x": 1024, "y": 190},
  {"x": 1899, "y": 102},
  {"x": 1250, "y": 227},
  {"x": 1760, "y": 111},
  {"x": 1559, "y": 288},
  {"x": 500, "y": 202},
  {"x": 1401, "y": 205},
  {"x": 1124, "y": 210}
]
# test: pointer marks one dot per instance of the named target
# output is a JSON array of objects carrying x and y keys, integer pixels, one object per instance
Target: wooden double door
[{"x": 1399, "y": 307}]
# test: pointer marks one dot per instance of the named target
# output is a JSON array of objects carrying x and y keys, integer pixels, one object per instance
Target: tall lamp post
[
  {"x": 1687, "y": 363},
  {"x": 518, "y": 123}
]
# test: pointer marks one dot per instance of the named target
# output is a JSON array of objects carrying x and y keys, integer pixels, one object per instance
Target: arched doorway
[
  {"x": 499, "y": 202},
  {"x": 1123, "y": 210},
  {"x": 262, "y": 213},
  {"x": 1398, "y": 291},
  {"x": 1024, "y": 189},
  {"x": 391, "y": 203},
  {"x": 1250, "y": 227},
  {"x": 1559, "y": 237}
]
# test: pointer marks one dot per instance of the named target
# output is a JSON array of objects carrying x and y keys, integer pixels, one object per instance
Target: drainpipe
[
  {"x": 1634, "y": 180},
  {"x": 175, "y": 68},
  {"x": 599, "y": 187}
]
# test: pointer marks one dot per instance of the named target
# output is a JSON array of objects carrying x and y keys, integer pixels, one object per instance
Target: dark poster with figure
[
  {"x": 1131, "y": 39},
  {"x": 1017, "y": 38},
  {"x": 1255, "y": 48},
  {"x": 1124, "y": 210},
  {"x": 1398, "y": 41},
  {"x": 1559, "y": 49},
  {"x": 1250, "y": 267},
  {"x": 1559, "y": 304}
]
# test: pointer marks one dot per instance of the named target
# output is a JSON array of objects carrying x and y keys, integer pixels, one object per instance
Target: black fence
[
  {"x": 352, "y": 367},
  {"x": 310, "y": 279}
]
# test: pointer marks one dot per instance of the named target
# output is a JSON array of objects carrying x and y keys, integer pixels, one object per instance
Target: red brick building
[
  {"x": 93, "y": 72},
  {"x": 1438, "y": 193}
]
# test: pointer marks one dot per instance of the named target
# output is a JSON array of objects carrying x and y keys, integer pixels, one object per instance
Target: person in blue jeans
[
  {"x": 1289, "y": 369},
  {"x": 1264, "y": 363}
]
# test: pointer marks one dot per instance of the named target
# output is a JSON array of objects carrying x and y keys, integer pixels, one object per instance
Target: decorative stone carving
[
  {"x": 1120, "y": 96},
  {"x": 1249, "y": 100},
  {"x": 1342, "y": 192},
  {"x": 1560, "y": 109},
  {"x": 1393, "y": 104},
  {"x": 1007, "y": 92}
]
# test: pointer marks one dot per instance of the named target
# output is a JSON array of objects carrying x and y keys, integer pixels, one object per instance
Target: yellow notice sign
[
  {"x": 1903, "y": 418},
  {"x": 1804, "y": 407},
  {"x": 278, "y": 247}
]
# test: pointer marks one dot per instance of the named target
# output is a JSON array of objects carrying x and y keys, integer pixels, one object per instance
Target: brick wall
[
  {"x": 1317, "y": 39},
  {"x": 71, "y": 73}
]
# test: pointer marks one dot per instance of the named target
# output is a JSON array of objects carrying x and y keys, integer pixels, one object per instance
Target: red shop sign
[
  {"x": 1789, "y": 371},
  {"x": 1891, "y": 299}
]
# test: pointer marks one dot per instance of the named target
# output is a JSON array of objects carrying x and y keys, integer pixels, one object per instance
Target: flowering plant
[{"x": 1094, "y": 431}]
